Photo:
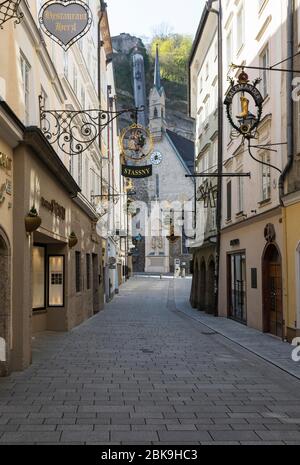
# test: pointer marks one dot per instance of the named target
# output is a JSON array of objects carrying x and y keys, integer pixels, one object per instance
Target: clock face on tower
[{"x": 156, "y": 158}]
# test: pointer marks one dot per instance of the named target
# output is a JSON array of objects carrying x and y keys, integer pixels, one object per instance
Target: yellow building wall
[{"x": 292, "y": 226}]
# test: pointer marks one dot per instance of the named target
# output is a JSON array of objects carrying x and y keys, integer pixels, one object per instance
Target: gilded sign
[
  {"x": 54, "y": 208},
  {"x": 136, "y": 172},
  {"x": 65, "y": 21}
]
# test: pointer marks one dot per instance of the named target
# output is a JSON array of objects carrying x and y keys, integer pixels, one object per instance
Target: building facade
[
  {"x": 291, "y": 197},
  {"x": 54, "y": 234},
  {"x": 204, "y": 108},
  {"x": 164, "y": 218},
  {"x": 252, "y": 282}
]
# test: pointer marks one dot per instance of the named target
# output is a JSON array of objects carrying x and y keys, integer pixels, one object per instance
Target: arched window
[{"x": 155, "y": 113}]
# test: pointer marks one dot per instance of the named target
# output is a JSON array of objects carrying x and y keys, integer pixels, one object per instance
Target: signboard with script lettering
[
  {"x": 137, "y": 171},
  {"x": 65, "y": 21}
]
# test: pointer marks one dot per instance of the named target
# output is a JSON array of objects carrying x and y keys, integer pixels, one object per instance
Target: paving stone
[
  {"x": 84, "y": 436},
  {"x": 96, "y": 385},
  {"x": 30, "y": 437},
  {"x": 234, "y": 435},
  {"x": 133, "y": 436}
]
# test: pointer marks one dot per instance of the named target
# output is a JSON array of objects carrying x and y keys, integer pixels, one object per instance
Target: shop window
[
  {"x": 78, "y": 271},
  {"x": 56, "y": 280},
  {"x": 38, "y": 278},
  {"x": 88, "y": 271},
  {"x": 237, "y": 287}
]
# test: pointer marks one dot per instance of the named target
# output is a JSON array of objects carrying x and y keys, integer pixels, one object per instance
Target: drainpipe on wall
[
  {"x": 290, "y": 102},
  {"x": 220, "y": 146},
  {"x": 99, "y": 45}
]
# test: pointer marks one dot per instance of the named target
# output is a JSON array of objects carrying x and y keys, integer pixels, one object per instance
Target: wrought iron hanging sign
[
  {"x": 136, "y": 144},
  {"x": 9, "y": 9},
  {"x": 74, "y": 131},
  {"x": 247, "y": 121},
  {"x": 207, "y": 193},
  {"x": 65, "y": 21}
]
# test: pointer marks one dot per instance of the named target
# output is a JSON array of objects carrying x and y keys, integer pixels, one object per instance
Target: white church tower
[{"x": 157, "y": 104}]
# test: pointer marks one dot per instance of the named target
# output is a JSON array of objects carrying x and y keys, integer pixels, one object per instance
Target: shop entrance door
[
  {"x": 272, "y": 292},
  {"x": 237, "y": 287},
  {"x": 96, "y": 304}
]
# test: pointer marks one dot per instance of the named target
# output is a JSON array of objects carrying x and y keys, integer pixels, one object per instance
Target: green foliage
[{"x": 174, "y": 51}]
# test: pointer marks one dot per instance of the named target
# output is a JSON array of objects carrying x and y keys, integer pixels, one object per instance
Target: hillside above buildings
[{"x": 124, "y": 46}]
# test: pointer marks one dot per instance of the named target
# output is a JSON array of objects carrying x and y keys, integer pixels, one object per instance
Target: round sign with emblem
[
  {"x": 250, "y": 101},
  {"x": 136, "y": 143},
  {"x": 156, "y": 158}
]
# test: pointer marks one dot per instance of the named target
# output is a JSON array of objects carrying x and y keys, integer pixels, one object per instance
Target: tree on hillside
[{"x": 174, "y": 51}]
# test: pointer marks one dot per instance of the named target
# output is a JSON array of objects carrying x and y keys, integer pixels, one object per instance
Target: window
[
  {"x": 157, "y": 186},
  {"x": 265, "y": 63},
  {"x": 44, "y": 97},
  {"x": 229, "y": 49},
  {"x": 237, "y": 287},
  {"x": 25, "y": 71},
  {"x": 229, "y": 202},
  {"x": 88, "y": 271},
  {"x": 266, "y": 177},
  {"x": 56, "y": 281},
  {"x": 207, "y": 107},
  {"x": 75, "y": 79},
  {"x": 38, "y": 277},
  {"x": 201, "y": 84},
  {"x": 79, "y": 169},
  {"x": 240, "y": 28},
  {"x": 66, "y": 64},
  {"x": 78, "y": 271},
  {"x": 240, "y": 195},
  {"x": 82, "y": 98},
  {"x": 214, "y": 161}
]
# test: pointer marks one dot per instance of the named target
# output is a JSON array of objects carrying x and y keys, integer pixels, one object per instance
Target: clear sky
[{"x": 141, "y": 17}]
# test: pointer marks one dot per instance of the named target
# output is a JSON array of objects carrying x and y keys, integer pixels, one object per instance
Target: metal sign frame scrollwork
[
  {"x": 74, "y": 131},
  {"x": 207, "y": 193},
  {"x": 9, "y": 9},
  {"x": 68, "y": 27}
]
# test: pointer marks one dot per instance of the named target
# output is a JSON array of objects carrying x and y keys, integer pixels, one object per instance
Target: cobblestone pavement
[{"x": 142, "y": 372}]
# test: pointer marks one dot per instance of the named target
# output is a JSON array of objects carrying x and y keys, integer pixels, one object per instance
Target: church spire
[{"x": 157, "y": 82}]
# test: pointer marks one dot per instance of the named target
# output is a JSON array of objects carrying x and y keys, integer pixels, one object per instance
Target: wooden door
[{"x": 275, "y": 300}]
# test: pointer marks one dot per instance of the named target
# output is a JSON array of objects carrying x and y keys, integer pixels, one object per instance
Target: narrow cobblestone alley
[{"x": 141, "y": 372}]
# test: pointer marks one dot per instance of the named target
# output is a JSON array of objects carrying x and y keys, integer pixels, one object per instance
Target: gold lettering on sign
[
  {"x": 5, "y": 162},
  {"x": 65, "y": 16},
  {"x": 54, "y": 208}
]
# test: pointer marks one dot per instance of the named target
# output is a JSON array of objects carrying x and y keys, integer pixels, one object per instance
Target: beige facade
[
  {"x": 252, "y": 285},
  {"x": 10, "y": 134},
  {"x": 48, "y": 283}
]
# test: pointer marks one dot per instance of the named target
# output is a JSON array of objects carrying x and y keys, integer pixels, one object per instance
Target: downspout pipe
[
  {"x": 99, "y": 45},
  {"x": 289, "y": 100},
  {"x": 218, "y": 12}
]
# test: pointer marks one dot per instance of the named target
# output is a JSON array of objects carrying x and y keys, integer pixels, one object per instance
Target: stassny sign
[{"x": 136, "y": 172}]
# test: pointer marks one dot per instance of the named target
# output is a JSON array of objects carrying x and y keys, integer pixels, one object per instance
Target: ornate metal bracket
[
  {"x": 9, "y": 9},
  {"x": 75, "y": 131}
]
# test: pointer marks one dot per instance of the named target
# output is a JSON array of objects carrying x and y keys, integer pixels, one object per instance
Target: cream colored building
[
  {"x": 50, "y": 282},
  {"x": 252, "y": 285},
  {"x": 204, "y": 108}
]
